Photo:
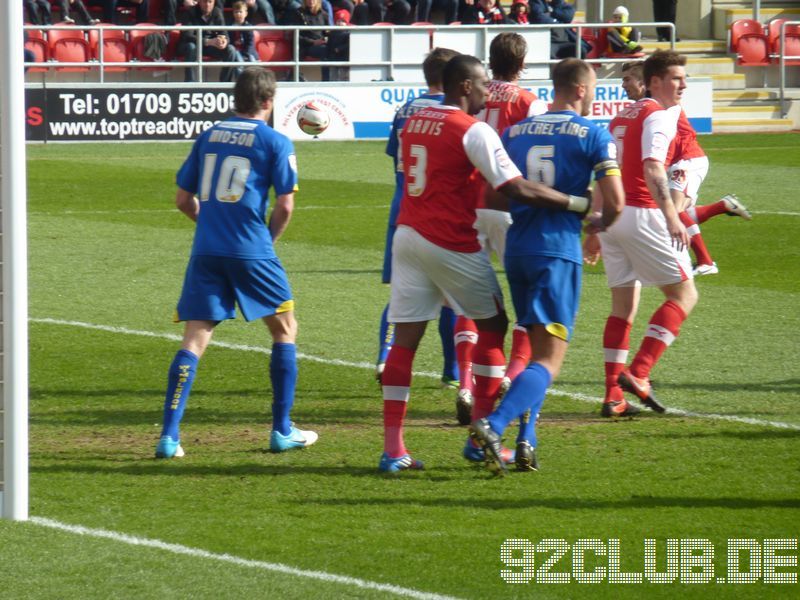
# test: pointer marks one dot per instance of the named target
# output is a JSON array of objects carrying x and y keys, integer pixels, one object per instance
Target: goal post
[{"x": 14, "y": 266}]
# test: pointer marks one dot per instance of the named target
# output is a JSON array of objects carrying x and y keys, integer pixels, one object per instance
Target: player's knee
[{"x": 282, "y": 327}]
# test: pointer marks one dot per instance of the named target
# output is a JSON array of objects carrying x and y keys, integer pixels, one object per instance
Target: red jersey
[
  {"x": 642, "y": 130},
  {"x": 685, "y": 145},
  {"x": 508, "y": 104},
  {"x": 441, "y": 147}
]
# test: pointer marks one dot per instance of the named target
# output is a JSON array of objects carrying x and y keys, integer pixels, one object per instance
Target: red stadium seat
[
  {"x": 792, "y": 40},
  {"x": 593, "y": 38},
  {"x": 748, "y": 42},
  {"x": 69, "y": 45},
  {"x": 38, "y": 45},
  {"x": 272, "y": 46},
  {"x": 136, "y": 47},
  {"x": 115, "y": 46}
]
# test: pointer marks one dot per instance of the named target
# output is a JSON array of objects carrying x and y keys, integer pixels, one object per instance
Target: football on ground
[{"x": 312, "y": 119}]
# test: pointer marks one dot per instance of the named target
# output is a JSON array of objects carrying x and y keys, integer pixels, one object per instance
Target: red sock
[
  {"x": 616, "y": 342},
  {"x": 696, "y": 239},
  {"x": 704, "y": 213},
  {"x": 489, "y": 369},
  {"x": 466, "y": 336},
  {"x": 396, "y": 381},
  {"x": 520, "y": 352},
  {"x": 661, "y": 332}
]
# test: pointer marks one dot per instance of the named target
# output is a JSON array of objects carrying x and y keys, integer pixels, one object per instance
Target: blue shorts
[
  {"x": 214, "y": 284},
  {"x": 545, "y": 291},
  {"x": 386, "y": 274}
]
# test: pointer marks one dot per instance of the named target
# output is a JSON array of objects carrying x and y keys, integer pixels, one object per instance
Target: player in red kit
[
  {"x": 436, "y": 256},
  {"x": 648, "y": 244},
  {"x": 507, "y": 104}
]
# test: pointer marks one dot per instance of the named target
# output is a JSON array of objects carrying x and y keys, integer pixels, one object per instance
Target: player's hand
[
  {"x": 678, "y": 233},
  {"x": 591, "y": 249},
  {"x": 594, "y": 223}
]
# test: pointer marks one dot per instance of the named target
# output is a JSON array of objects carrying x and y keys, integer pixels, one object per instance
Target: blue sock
[
  {"x": 283, "y": 374},
  {"x": 179, "y": 385},
  {"x": 386, "y": 336},
  {"x": 447, "y": 323},
  {"x": 527, "y": 392}
]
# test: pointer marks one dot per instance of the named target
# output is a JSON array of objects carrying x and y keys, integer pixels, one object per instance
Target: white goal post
[{"x": 14, "y": 265}]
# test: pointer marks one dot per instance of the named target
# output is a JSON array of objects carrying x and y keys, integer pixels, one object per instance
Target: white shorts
[
  {"x": 687, "y": 176},
  {"x": 638, "y": 249},
  {"x": 425, "y": 276},
  {"x": 492, "y": 226}
]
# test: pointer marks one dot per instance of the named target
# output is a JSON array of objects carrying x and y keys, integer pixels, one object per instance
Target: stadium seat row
[
  {"x": 78, "y": 46},
  {"x": 758, "y": 45}
]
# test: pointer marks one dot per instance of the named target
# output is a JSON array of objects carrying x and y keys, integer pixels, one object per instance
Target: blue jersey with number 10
[
  {"x": 231, "y": 168},
  {"x": 561, "y": 150}
]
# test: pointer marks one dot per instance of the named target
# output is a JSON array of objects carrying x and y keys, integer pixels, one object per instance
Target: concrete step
[
  {"x": 721, "y": 65},
  {"x": 725, "y": 81},
  {"x": 748, "y": 111},
  {"x": 751, "y": 125},
  {"x": 688, "y": 46},
  {"x": 745, "y": 95}
]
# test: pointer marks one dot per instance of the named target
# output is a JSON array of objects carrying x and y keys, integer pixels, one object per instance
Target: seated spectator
[
  {"x": 339, "y": 42},
  {"x": 82, "y": 14},
  {"x": 39, "y": 12},
  {"x": 242, "y": 39},
  {"x": 485, "y": 12},
  {"x": 213, "y": 42},
  {"x": 519, "y": 12},
  {"x": 366, "y": 12},
  {"x": 27, "y": 54},
  {"x": 397, "y": 12},
  {"x": 563, "y": 40},
  {"x": 260, "y": 11},
  {"x": 622, "y": 40},
  {"x": 313, "y": 43},
  {"x": 141, "y": 9},
  {"x": 424, "y": 7},
  {"x": 171, "y": 9}
]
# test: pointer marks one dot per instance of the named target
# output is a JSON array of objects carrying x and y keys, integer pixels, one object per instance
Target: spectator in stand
[
  {"x": 83, "y": 15},
  {"x": 622, "y": 39},
  {"x": 485, "y": 12},
  {"x": 664, "y": 10},
  {"x": 27, "y": 55},
  {"x": 424, "y": 7},
  {"x": 260, "y": 10},
  {"x": 562, "y": 40},
  {"x": 519, "y": 12},
  {"x": 242, "y": 39},
  {"x": 141, "y": 9},
  {"x": 397, "y": 12},
  {"x": 339, "y": 43},
  {"x": 214, "y": 42},
  {"x": 313, "y": 42},
  {"x": 171, "y": 9},
  {"x": 39, "y": 12}
]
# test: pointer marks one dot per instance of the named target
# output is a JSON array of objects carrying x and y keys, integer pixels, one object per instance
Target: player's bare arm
[
  {"x": 536, "y": 194},
  {"x": 281, "y": 215},
  {"x": 655, "y": 176},
  {"x": 187, "y": 203},
  {"x": 612, "y": 197}
]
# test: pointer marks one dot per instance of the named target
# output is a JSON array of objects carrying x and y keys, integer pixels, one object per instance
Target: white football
[{"x": 313, "y": 119}]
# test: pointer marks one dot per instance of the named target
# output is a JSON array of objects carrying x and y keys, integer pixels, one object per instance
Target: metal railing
[
  {"x": 782, "y": 65},
  {"x": 297, "y": 62}
]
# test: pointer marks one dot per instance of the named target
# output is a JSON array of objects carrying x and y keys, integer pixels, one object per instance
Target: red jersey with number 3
[
  {"x": 442, "y": 146},
  {"x": 642, "y": 131},
  {"x": 685, "y": 145}
]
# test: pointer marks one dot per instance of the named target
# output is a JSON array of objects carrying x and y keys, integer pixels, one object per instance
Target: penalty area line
[
  {"x": 235, "y": 560},
  {"x": 366, "y": 365}
]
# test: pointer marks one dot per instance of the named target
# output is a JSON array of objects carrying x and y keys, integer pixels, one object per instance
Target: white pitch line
[
  {"x": 122, "y": 211},
  {"x": 242, "y": 562},
  {"x": 371, "y": 366}
]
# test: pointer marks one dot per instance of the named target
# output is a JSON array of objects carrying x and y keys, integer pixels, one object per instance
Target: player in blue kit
[
  {"x": 432, "y": 67},
  {"x": 561, "y": 149},
  {"x": 224, "y": 187}
]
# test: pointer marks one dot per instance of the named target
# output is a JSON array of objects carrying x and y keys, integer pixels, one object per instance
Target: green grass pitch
[{"x": 107, "y": 250}]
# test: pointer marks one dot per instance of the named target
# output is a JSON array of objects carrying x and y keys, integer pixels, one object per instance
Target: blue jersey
[
  {"x": 561, "y": 150},
  {"x": 231, "y": 168}
]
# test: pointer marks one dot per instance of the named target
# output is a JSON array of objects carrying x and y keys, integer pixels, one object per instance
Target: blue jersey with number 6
[
  {"x": 561, "y": 150},
  {"x": 231, "y": 168}
]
